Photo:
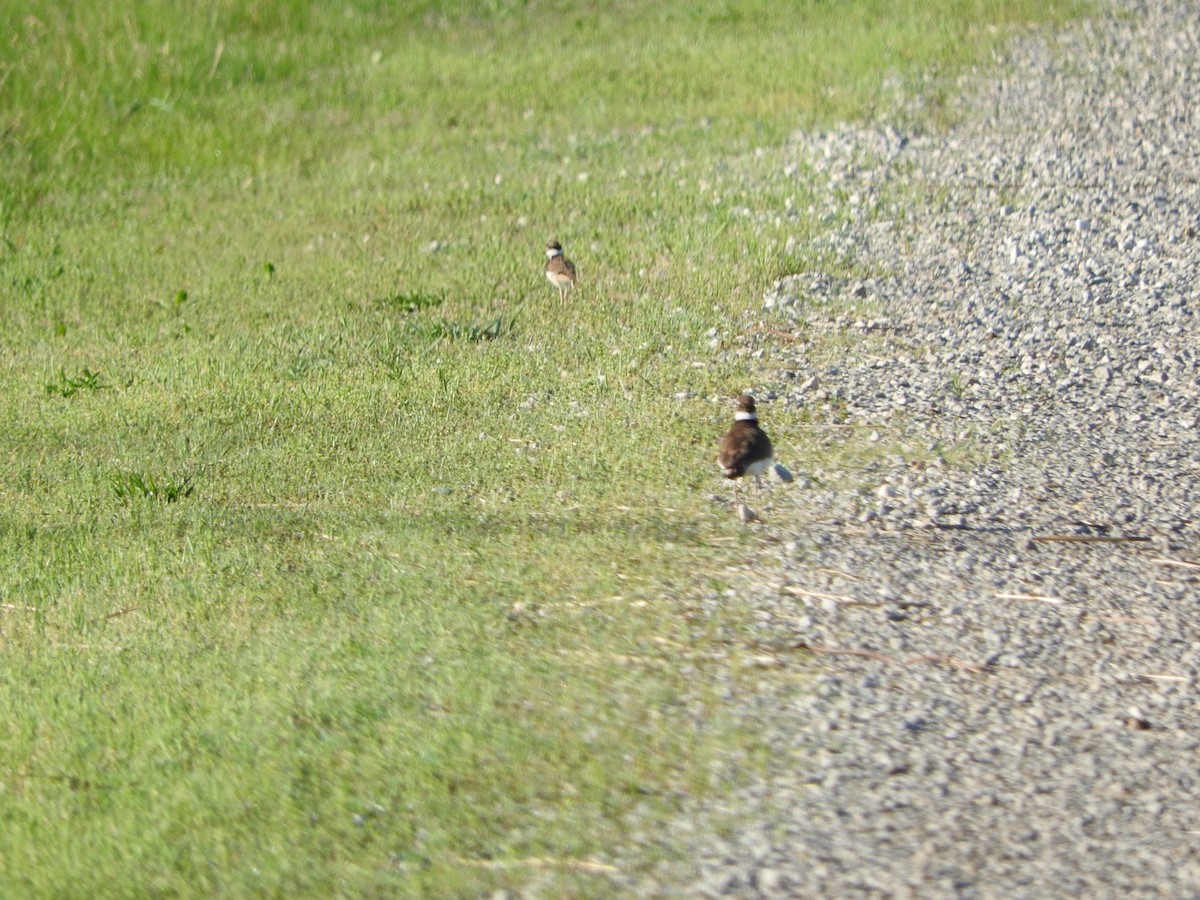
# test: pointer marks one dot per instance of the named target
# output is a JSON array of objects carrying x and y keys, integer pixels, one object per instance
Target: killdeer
[
  {"x": 560, "y": 271},
  {"x": 745, "y": 450}
]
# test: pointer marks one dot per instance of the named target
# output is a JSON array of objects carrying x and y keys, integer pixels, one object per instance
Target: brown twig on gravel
[
  {"x": 883, "y": 657},
  {"x": 1090, "y": 539},
  {"x": 817, "y": 595},
  {"x": 1127, "y": 620}
]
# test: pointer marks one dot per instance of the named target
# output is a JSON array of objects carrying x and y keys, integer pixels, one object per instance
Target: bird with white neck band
[
  {"x": 745, "y": 450},
  {"x": 560, "y": 271}
]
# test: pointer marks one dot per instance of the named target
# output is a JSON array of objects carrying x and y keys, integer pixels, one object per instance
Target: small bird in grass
[
  {"x": 560, "y": 271},
  {"x": 745, "y": 450}
]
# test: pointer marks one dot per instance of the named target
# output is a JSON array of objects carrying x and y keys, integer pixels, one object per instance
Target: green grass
[{"x": 336, "y": 556}]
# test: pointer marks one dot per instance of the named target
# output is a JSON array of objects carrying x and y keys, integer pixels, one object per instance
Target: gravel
[{"x": 977, "y": 674}]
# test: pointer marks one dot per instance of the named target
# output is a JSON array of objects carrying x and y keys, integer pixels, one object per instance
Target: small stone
[
  {"x": 771, "y": 881},
  {"x": 1135, "y": 718},
  {"x": 764, "y": 661}
]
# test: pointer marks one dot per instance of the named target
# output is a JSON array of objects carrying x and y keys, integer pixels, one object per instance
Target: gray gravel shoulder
[{"x": 1003, "y": 655}]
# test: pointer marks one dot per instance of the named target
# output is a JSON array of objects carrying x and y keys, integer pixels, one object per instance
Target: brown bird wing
[
  {"x": 744, "y": 444},
  {"x": 560, "y": 266}
]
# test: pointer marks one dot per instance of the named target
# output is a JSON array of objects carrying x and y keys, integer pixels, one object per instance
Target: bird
[
  {"x": 560, "y": 271},
  {"x": 745, "y": 450}
]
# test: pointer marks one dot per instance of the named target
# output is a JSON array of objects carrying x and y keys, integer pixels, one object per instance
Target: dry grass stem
[
  {"x": 796, "y": 591},
  {"x": 1031, "y": 598},
  {"x": 936, "y": 659},
  {"x": 1181, "y": 563},
  {"x": 1090, "y": 539},
  {"x": 1127, "y": 620},
  {"x": 543, "y": 862}
]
